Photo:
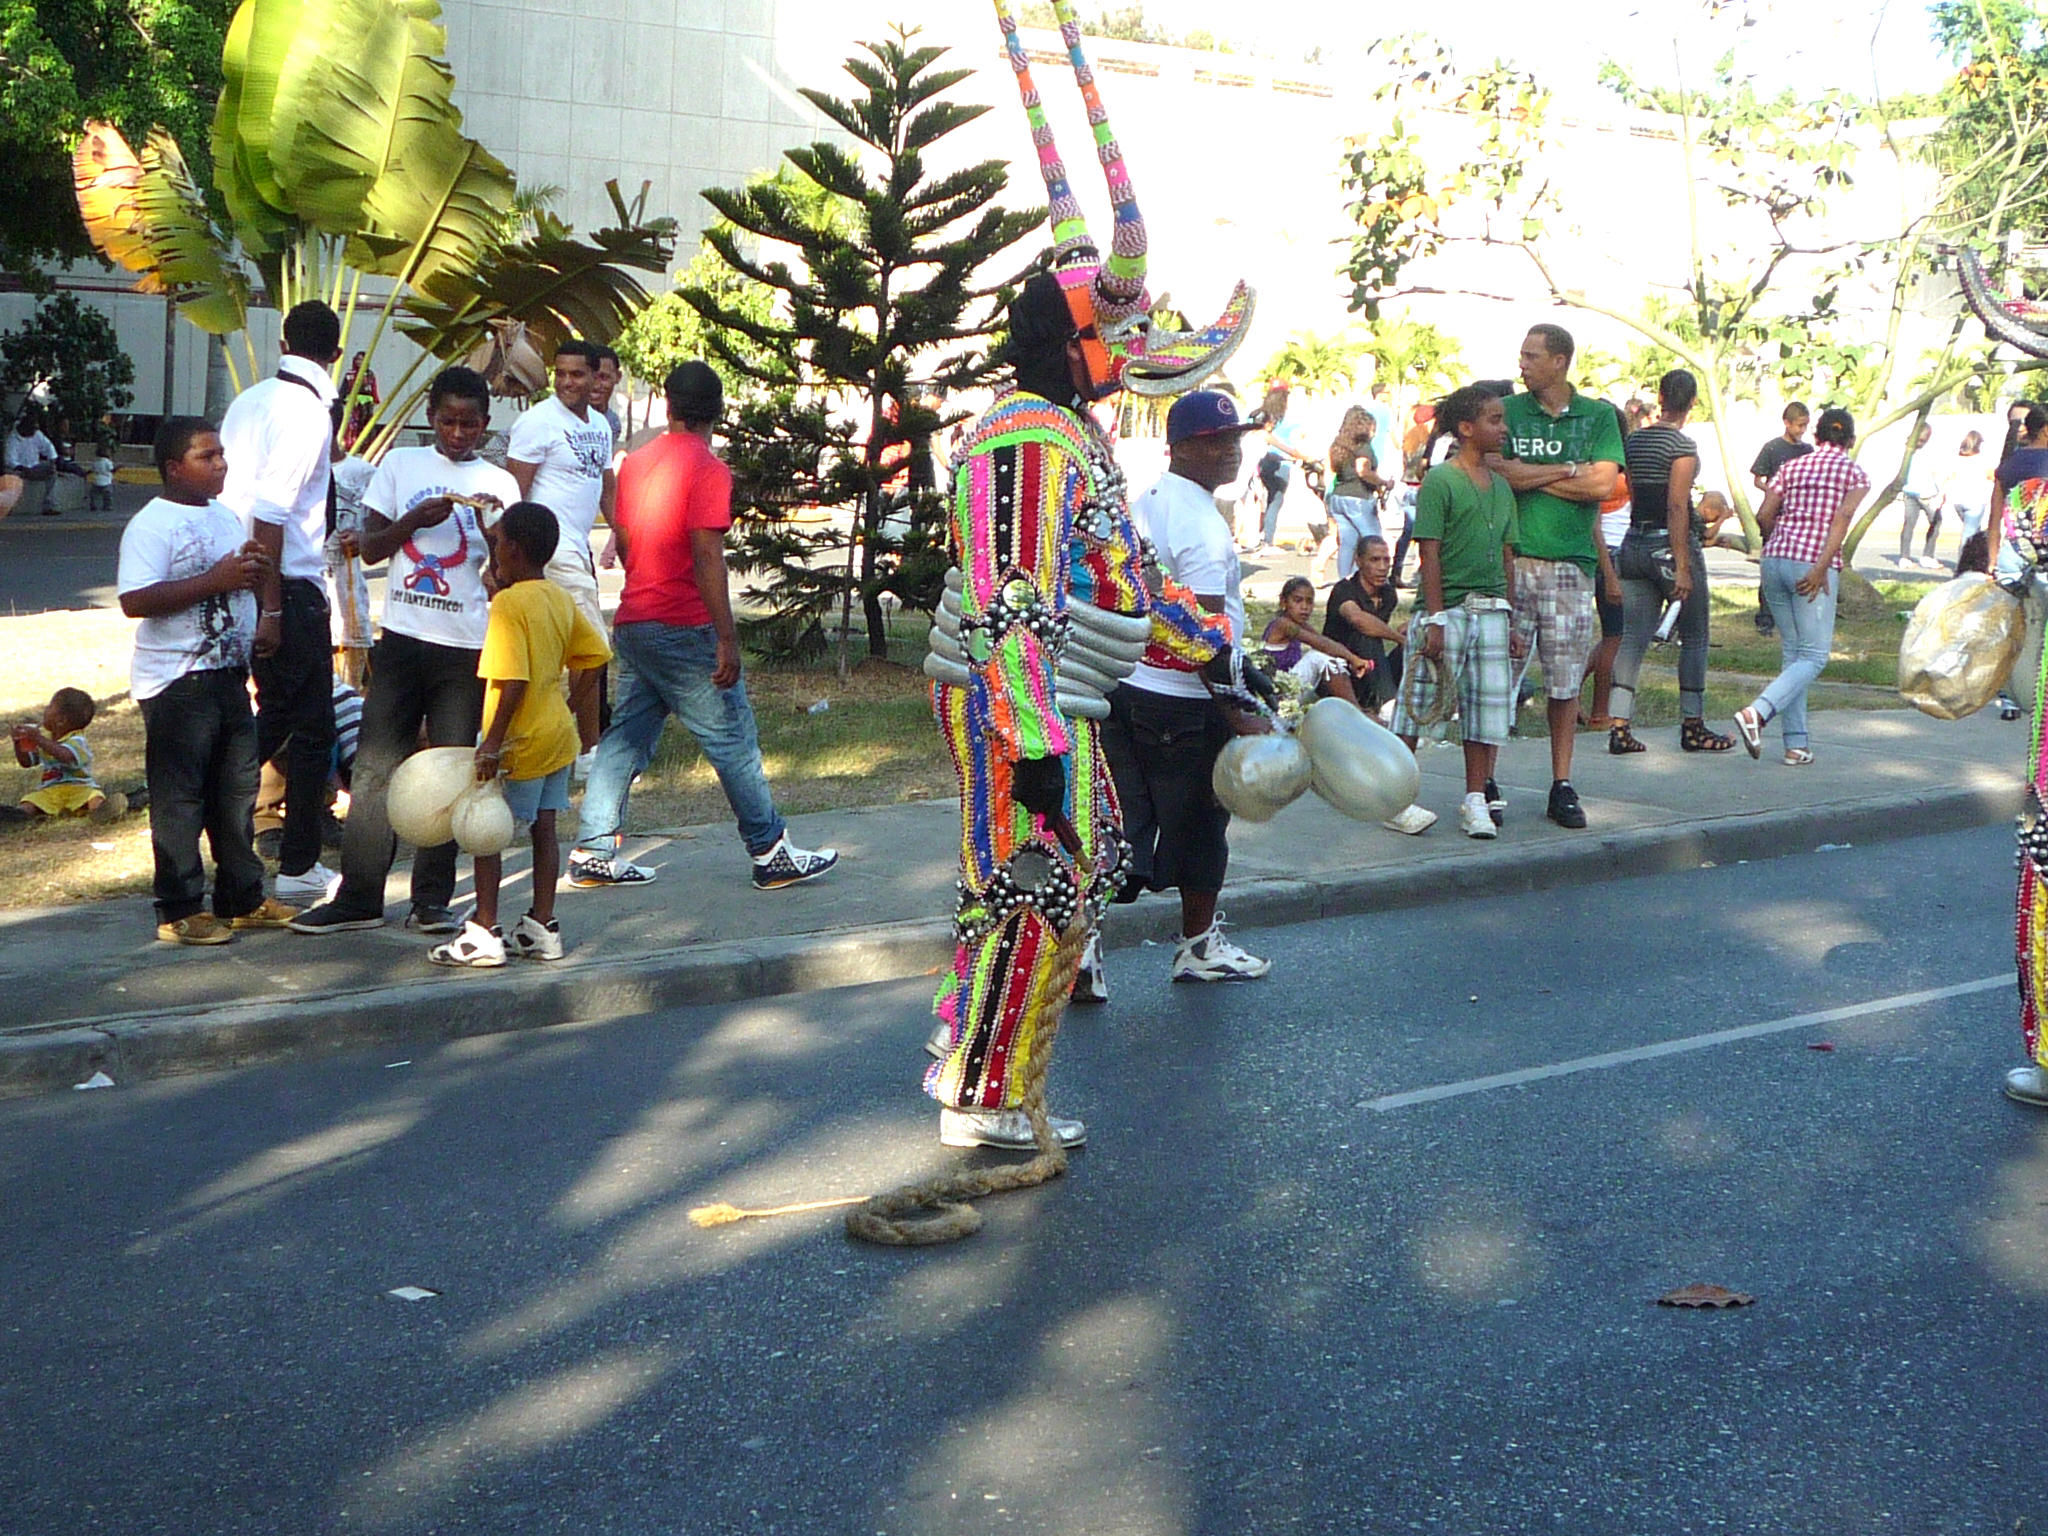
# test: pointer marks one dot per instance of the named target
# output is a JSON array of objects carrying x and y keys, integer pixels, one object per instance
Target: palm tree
[{"x": 1321, "y": 365}]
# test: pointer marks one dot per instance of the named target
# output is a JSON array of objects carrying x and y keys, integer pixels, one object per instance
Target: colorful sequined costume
[
  {"x": 1048, "y": 562},
  {"x": 2025, "y": 528}
]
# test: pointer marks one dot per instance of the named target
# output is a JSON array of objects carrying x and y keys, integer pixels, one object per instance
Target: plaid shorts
[
  {"x": 1476, "y": 655},
  {"x": 1554, "y": 608}
]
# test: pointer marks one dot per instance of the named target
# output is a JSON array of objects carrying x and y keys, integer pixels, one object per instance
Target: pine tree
[{"x": 881, "y": 319}]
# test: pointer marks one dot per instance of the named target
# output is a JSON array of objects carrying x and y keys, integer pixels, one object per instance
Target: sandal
[
  {"x": 1749, "y": 725},
  {"x": 1797, "y": 757},
  {"x": 1621, "y": 741},
  {"x": 1694, "y": 736}
]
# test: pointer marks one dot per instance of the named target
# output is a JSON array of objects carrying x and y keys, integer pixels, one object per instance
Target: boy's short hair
[
  {"x": 77, "y": 705},
  {"x": 533, "y": 528},
  {"x": 175, "y": 437},
  {"x": 312, "y": 329},
  {"x": 576, "y": 346}
]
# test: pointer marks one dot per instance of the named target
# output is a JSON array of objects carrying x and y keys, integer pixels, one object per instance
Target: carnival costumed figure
[
  {"x": 2019, "y": 536},
  {"x": 1053, "y": 602}
]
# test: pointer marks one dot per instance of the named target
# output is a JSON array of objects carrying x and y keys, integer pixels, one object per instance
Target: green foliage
[
  {"x": 136, "y": 63},
  {"x": 1992, "y": 146},
  {"x": 1321, "y": 365},
  {"x": 1413, "y": 357},
  {"x": 70, "y": 352},
  {"x": 668, "y": 331},
  {"x": 879, "y": 313}
]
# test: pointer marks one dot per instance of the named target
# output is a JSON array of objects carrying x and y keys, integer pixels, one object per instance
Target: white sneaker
[
  {"x": 534, "y": 940},
  {"x": 476, "y": 948},
  {"x": 1091, "y": 982},
  {"x": 1212, "y": 957},
  {"x": 317, "y": 884},
  {"x": 1475, "y": 819},
  {"x": 1413, "y": 822},
  {"x": 1008, "y": 1129}
]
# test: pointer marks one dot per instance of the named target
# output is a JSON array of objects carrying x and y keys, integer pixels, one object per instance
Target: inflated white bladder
[
  {"x": 481, "y": 820},
  {"x": 1359, "y": 767},
  {"x": 424, "y": 789},
  {"x": 1258, "y": 777}
]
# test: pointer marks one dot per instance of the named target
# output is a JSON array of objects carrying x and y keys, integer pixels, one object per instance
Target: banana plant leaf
[
  {"x": 259, "y": 48},
  {"x": 368, "y": 144},
  {"x": 557, "y": 284},
  {"x": 146, "y": 214}
]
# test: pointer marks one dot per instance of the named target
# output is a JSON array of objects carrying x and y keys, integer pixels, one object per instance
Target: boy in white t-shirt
[
  {"x": 559, "y": 454},
  {"x": 426, "y": 511},
  {"x": 188, "y": 572}
]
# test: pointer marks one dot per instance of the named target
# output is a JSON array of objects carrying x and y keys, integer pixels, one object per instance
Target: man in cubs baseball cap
[{"x": 1203, "y": 413}]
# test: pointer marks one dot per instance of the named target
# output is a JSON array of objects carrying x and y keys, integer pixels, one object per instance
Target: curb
[{"x": 166, "y": 1043}]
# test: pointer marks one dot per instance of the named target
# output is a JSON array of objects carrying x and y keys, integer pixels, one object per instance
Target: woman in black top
[
  {"x": 1662, "y": 560},
  {"x": 1359, "y": 616}
]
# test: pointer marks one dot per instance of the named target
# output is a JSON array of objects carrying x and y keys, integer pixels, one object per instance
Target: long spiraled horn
[
  {"x": 1120, "y": 289},
  {"x": 1074, "y": 250},
  {"x": 2000, "y": 323}
]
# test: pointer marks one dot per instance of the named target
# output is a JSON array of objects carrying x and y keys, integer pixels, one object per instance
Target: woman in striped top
[{"x": 1805, "y": 516}]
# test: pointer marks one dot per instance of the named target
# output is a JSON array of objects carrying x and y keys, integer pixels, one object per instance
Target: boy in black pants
[{"x": 187, "y": 573}]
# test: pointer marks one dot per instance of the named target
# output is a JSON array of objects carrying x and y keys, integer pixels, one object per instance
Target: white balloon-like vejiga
[
  {"x": 482, "y": 820},
  {"x": 1257, "y": 777},
  {"x": 424, "y": 789},
  {"x": 1358, "y": 766}
]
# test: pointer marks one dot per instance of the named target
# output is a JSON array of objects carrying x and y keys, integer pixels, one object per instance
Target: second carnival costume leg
[{"x": 2030, "y": 928}]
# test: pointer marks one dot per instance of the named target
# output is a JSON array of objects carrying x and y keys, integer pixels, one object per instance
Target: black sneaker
[
  {"x": 1564, "y": 807},
  {"x": 787, "y": 864},
  {"x": 588, "y": 871},
  {"x": 429, "y": 919},
  {"x": 1496, "y": 804},
  {"x": 332, "y": 917}
]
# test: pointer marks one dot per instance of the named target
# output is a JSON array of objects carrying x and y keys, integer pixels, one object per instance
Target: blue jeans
[
  {"x": 665, "y": 669},
  {"x": 1806, "y": 632},
  {"x": 1274, "y": 473}
]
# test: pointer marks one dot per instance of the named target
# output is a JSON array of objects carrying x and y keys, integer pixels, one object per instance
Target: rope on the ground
[
  {"x": 1444, "y": 705},
  {"x": 721, "y": 1214},
  {"x": 944, "y": 1196}
]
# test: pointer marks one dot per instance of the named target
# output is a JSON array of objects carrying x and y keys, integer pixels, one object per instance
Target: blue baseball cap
[{"x": 1203, "y": 414}]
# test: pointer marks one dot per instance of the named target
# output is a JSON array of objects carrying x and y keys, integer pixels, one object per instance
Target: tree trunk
[{"x": 871, "y": 595}]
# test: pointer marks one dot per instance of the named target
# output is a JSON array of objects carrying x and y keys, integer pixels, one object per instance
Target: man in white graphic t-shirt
[{"x": 558, "y": 453}]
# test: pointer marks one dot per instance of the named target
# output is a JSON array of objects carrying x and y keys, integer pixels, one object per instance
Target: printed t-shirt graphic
[
  {"x": 572, "y": 453},
  {"x": 434, "y": 590},
  {"x": 170, "y": 541}
]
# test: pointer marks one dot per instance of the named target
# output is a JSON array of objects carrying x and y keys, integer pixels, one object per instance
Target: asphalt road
[
  {"x": 58, "y": 562},
  {"x": 1278, "y": 1292}
]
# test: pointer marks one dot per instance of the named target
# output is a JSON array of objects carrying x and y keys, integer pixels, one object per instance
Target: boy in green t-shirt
[
  {"x": 1562, "y": 457},
  {"x": 1466, "y": 532}
]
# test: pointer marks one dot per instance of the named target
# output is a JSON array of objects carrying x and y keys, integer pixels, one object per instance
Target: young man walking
[
  {"x": 1165, "y": 728},
  {"x": 1562, "y": 454},
  {"x": 678, "y": 651},
  {"x": 279, "y": 440}
]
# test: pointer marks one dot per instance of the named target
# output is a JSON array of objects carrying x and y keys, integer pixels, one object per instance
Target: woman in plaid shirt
[{"x": 1805, "y": 516}]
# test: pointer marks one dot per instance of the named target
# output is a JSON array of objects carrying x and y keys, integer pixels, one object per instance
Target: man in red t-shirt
[{"x": 677, "y": 651}]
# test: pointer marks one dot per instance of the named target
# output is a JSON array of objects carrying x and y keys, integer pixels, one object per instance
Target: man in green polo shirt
[{"x": 1562, "y": 454}]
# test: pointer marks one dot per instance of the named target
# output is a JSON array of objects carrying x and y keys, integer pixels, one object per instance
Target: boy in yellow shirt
[{"x": 536, "y": 634}]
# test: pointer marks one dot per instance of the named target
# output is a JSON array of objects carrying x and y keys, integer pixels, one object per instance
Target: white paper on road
[
  {"x": 97, "y": 1080},
  {"x": 413, "y": 1293},
  {"x": 1682, "y": 1046}
]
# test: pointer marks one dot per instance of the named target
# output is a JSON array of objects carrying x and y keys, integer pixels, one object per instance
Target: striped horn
[
  {"x": 1076, "y": 258},
  {"x": 1120, "y": 287}
]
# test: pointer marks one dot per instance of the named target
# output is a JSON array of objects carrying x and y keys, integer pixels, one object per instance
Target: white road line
[{"x": 1578, "y": 1064}]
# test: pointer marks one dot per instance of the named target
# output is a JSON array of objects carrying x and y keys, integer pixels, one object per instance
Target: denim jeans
[
  {"x": 199, "y": 757},
  {"x": 1642, "y": 607},
  {"x": 295, "y": 717},
  {"x": 665, "y": 669},
  {"x": 1806, "y": 632},
  {"x": 1275, "y": 471},
  {"x": 412, "y": 683}
]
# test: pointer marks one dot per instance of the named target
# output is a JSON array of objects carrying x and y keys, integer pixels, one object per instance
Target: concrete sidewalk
[{"x": 105, "y": 996}]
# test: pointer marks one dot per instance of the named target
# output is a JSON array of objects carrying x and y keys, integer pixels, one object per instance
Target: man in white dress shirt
[{"x": 279, "y": 439}]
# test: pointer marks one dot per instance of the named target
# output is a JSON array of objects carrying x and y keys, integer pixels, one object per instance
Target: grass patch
[{"x": 73, "y": 860}]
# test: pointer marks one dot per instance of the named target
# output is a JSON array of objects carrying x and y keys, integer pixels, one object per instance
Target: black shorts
[
  {"x": 1161, "y": 751},
  {"x": 1610, "y": 613}
]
